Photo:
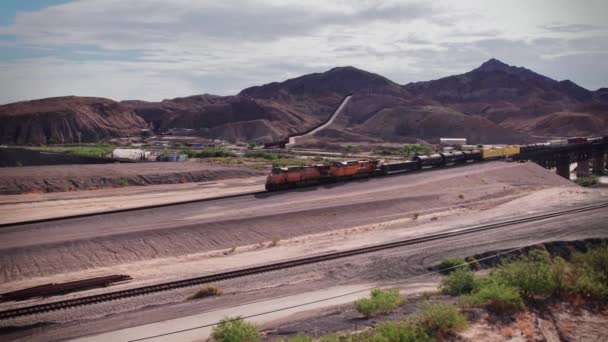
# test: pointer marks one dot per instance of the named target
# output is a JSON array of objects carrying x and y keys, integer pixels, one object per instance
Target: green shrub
[
  {"x": 381, "y": 301},
  {"x": 235, "y": 329},
  {"x": 586, "y": 181},
  {"x": 451, "y": 264},
  {"x": 123, "y": 183},
  {"x": 288, "y": 162},
  {"x": 263, "y": 155},
  {"x": 594, "y": 261},
  {"x": 206, "y": 291},
  {"x": 461, "y": 281},
  {"x": 531, "y": 274},
  {"x": 592, "y": 272},
  {"x": 300, "y": 338},
  {"x": 496, "y": 297},
  {"x": 213, "y": 153},
  {"x": 401, "y": 332},
  {"x": 441, "y": 319},
  {"x": 413, "y": 149},
  {"x": 562, "y": 276}
]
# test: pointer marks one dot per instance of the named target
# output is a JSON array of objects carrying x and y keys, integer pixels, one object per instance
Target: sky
[{"x": 158, "y": 49}]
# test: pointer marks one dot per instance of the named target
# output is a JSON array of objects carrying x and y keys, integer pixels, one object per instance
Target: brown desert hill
[
  {"x": 226, "y": 117},
  {"x": 62, "y": 119},
  {"x": 320, "y": 93},
  {"x": 494, "y": 103},
  {"x": 514, "y": 97}
]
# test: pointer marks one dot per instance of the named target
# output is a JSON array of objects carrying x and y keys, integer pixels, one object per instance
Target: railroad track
[{"x": 64, "y": 304}]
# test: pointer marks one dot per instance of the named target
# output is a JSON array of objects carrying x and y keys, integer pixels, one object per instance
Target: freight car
[
  {"x": 291, "y": 177},
  {"x": 500, "y": 152}
]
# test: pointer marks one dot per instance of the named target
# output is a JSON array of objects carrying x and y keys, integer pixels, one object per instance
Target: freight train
[{"x": 290, "y": 177}]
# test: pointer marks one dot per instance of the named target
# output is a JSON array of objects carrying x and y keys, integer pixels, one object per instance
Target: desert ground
[
  {"x": 184, "y": 240},
  {"x": 65, "y": 178}
]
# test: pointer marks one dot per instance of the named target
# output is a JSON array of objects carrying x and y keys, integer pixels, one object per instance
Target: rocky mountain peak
[{"x": 493, "y": 64}]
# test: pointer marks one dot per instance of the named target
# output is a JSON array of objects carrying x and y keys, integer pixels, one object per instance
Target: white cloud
[{"x": 162, "y": 49}]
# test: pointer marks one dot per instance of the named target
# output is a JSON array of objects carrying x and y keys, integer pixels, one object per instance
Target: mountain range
[{"x": 494, "y": 103}]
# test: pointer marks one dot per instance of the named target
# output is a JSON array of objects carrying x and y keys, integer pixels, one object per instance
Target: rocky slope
[
  {"x": 225, "y": 117},
  {"x": 494, "y": 103},
  {"x": 62, "y": 119},
  {"x": 521, "y": 100}
]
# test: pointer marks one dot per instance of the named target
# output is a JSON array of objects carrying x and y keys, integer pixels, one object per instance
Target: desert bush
[
  {"x": 586, "y": 181},
  {"x": 461, "y": 281},
  {"x": 401, "y": 332},
  {"x": 531, "y": 274},
  {"x": 413, "y": 149},
  {"x": 206, "y": 291},
  {"x": 299, "y": 338},
  {"x": 473, "y": 263},
  {"x": 441, "y": 319},
  {"x": 274, "y": 242},
  {"x": 288, "y": 162},
  {"x": 235, "y": 329},
  {"x": 451, "y": 264},
  {"x": 381, "y": 301},
  {"x": 263, "y": 155},
  {"x": 213, "y": 153},
  {"x": 496, "y": 297},
  {"x": 123, "y": 183},
  {"x": 562, "y": 276},
  {"x": 592, "y": 272}
]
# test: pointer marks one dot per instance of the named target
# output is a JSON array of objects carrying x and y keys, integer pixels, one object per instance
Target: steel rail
[{"x": 69, "y": 303}]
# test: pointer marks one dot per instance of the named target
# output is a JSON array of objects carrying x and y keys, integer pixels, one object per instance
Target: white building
[
  {"x": 453, "y": 141},
  {"x": 131, "y": 153}
]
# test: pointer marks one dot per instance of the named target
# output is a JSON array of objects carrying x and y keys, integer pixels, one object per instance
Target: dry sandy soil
[
  {"x": 36, "y": 206},
  {"x": 17, "y": 180},
  {"x": 46, "y": 249},
  {"x": 194, "y": 239}
]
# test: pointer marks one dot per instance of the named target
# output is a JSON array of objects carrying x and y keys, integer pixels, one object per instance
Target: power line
[{"x": 566, "y": 232}]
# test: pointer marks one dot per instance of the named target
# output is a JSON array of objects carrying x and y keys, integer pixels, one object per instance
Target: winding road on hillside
[{"x": 292, "y": 140}]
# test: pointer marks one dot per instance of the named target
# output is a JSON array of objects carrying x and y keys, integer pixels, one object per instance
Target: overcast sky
[{"x": 157, "y": 49}]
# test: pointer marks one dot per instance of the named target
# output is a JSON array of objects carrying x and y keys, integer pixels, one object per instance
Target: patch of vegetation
[
  {"x": 93, "y": 150},
  {"x": 591, "y": 273},
  {"x": 298, "y": 338},
  {"x": 416, "y": 149},
  {"x": 235, "y": 329},
  {"x": 441, "y": 320},
  {"x": 211, "y": 153},
  {"x": 586, "y": 181},
  {"x": 274, "y": 242},
  {"x": 264, "y": 155},
  {"x": 288, "y": 162},
  {"x": 381, "y": 301},
  {"x": 123, "y": 183},
  {"x": 400, "y": 331},
  {"x": 496, "y": 297},
  {"x": 531, "y": 274},
  {"x": 451, "y": 264},
  {"x": 460, "y": 281},
  {"x": 206, "y": 291},
  {"x": 532, "y": 277}
]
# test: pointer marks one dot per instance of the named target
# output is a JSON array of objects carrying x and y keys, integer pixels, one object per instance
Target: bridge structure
[{"x": 590, "y": 157}]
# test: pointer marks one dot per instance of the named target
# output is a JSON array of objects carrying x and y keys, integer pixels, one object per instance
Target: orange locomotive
[{"x": 291, "y": 177}]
